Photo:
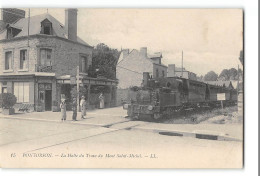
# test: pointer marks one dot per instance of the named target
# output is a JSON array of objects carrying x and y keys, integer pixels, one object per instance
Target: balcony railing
[{"x": 43, "y": 68}]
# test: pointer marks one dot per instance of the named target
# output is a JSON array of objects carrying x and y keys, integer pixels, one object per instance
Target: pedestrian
[
  {"x": 83, "y": 107},
  {"x": 63, "y": 109},
  {"x": 101, "y": 101},
  {"x": 74, "y": 109}
]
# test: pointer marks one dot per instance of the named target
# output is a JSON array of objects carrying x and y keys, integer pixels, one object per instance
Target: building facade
[
  {"x": 130, "y": 68},
  {"x": 174, "y": 71},
  {"x": 39, "y": 59}
]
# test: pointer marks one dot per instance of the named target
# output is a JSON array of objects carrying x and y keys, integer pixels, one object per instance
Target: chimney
[
  {"x": 125, "y": 52},
  {"x": 11, "y": 15},
  {"x": 146, "y": 77},
  {"x": 71, "y": 23},
  {"x": 171, "y": 70},
  {"x": 143, "y": 52}
]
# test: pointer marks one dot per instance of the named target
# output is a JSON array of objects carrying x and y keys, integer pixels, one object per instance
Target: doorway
[{"x": 48, "y": 101}]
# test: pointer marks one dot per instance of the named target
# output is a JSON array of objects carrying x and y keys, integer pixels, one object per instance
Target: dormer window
[
  {"x": 46, "y": 27},
  {"x": 12, "y": 31}
]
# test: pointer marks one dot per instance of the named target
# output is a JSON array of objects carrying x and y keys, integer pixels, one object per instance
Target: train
[{"x": 158, "y": 98}]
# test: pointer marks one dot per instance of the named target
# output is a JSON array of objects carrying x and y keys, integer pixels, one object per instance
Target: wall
[
  {"x": 171, "y": 70},
  {"x": 134, "y": 62},
  {"x": 160, "y": 70},
  {"x": 65, "y": 54},
  {"x": 183, "y": 74},
  {"x": 15, "y": 46}
]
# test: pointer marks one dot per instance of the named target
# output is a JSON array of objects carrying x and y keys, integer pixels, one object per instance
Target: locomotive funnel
[{"x": 145, "y": 79}]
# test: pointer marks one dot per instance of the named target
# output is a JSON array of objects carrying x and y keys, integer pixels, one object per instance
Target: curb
[{"x": 194, "y": 134}]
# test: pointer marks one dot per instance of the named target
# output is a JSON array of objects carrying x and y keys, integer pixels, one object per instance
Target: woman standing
[
  {"x": 83, "y": 107},
  {"x": 101, "y": 101},
  {"x": 63, "y": 109}
]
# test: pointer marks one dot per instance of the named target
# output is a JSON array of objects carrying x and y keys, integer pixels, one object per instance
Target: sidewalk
[
  {"x": 97, "y": 117},
  {"x": 114, "y": 118}
]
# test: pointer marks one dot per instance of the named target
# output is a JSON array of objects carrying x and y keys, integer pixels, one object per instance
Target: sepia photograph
[{"x": 122, "y": 88}]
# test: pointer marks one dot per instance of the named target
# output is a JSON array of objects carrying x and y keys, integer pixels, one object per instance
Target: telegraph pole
[{"x": 77, "y": 88}]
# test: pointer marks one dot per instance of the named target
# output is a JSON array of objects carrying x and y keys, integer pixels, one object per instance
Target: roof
[
  {"x": 35, "y": 27},
  {"x": 155, "y": 55},
  {"x": 125, "y": 54},
  {"x": 220, "y": 83}
]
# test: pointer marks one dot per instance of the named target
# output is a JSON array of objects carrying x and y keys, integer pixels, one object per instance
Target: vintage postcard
[{"x": 121, "y": 88}]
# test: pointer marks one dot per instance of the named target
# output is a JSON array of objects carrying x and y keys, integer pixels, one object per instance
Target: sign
[
  {"x": 221, "y": 96},
  {"x": 73, "y": 80}
]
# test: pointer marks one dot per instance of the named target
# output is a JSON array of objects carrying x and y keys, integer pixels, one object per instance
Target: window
[
  {"x": 47, "y": 30},
  {"x": 163, "y": 74},
  {"x": 46, "y": 27},
  {"x": 23, "y": 59},
  {"x": 8, "y": 60},
  {"x": 9, "y": 33},
  {"x": 83, "y": 64},
  {"x": 157, "y": 73},
  {"x": 45, "y": 57},
  {"x": 21, "y": 91},
  {"x": 12, "y": 31},
  {"x": 4, "y": 89}
]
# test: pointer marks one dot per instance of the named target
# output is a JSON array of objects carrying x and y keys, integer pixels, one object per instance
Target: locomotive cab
[{"x": 153, "y": 97}]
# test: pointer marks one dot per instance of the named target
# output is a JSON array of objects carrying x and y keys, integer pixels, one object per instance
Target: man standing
[
  {"x": 74, "y": 109},
  {"x": 83, "y": 107}
]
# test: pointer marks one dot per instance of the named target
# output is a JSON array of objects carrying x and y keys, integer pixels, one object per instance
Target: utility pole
[
  {"x": 182, "y": 64},
  {"x": 77, "y": 88}
]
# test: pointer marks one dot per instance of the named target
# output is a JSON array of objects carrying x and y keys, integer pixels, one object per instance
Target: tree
[
  {"x": 211, "y": 76},
  {"x": 82, "y": 91},
  {"x": 230, "y": 74},
  {"x": 200, "y": 78},
  {"x": 7, "y": 100},
  {"x": 224, "y": 75},
  {"x": 104, "y": 59}
]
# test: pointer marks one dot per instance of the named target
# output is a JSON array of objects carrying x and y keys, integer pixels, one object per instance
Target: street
[{"x": 55, "y": 144}]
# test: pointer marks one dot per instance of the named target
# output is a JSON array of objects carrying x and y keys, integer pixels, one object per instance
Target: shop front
[{"x": 91, "y": 88}]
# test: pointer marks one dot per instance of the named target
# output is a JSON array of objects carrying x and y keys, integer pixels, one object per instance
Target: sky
[{"x": 211, "y": 39}]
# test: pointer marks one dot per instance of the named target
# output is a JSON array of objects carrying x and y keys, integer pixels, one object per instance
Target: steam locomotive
[{"x": 163, "y": 97}]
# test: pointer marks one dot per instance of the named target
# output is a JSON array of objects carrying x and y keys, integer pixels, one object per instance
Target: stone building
[
  {"x": 174, "y": 71},
  {"x": 131, "y": 66},
  {"x": 39, "y": 58}
]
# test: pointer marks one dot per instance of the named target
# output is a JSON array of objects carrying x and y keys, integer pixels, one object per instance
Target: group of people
[{"x": 83, "y": 107}]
